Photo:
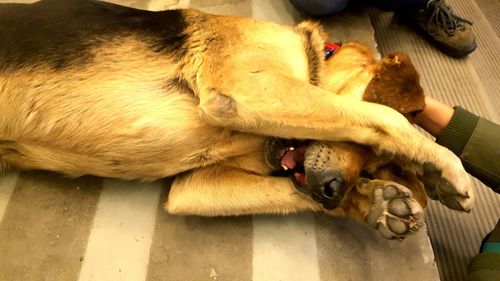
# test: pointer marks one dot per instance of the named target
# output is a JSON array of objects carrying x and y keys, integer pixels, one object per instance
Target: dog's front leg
[
  {"x": 224, "y": 191},
  {"x": 273, "y": 104}
]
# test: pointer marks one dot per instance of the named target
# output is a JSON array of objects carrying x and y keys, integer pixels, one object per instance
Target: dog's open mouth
[
  {"x": 293, "y": 162},
  {"x": 286, "y": 158}
]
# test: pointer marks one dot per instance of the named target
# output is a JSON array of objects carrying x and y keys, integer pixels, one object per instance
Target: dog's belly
[{"x": 83, "y": 121}]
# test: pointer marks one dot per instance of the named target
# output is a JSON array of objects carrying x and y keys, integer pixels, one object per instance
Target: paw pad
[{"x": 395, "y": 213}]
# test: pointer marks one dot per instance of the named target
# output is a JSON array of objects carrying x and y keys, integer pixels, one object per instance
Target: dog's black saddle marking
[{"x": 61, "y": 32}]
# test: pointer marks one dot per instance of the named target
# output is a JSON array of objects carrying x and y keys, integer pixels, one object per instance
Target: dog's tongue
[
  {"x": 291, "y": 157},
  {"x": 288, "y": 159},
  {"x": 301, "y": 178}
]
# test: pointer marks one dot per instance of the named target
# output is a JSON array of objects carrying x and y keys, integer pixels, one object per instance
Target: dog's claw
[
  {"x": 440, "y": 188},
  {"x": 455, "y": 203}
]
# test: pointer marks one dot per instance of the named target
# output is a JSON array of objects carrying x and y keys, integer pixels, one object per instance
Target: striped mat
[{"x": 54, "y": 228}]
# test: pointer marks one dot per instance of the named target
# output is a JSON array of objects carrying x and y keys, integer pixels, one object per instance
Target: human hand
[{"x": 435, "y": 116}]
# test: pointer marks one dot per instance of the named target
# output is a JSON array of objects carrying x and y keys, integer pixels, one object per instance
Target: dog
[{"x": 93, "y": 88}]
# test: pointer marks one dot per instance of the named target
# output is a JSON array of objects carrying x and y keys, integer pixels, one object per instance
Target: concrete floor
[{"x": 54, "y": 228}]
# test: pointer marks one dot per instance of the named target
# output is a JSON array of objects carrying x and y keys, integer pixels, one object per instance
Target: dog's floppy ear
[
  {"x": 397, "y": 84},
  {"x": 314, "y": 38}
]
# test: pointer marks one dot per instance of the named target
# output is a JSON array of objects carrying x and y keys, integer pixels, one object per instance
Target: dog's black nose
[
  {"x": 333, "y": 192},
  {"x": 333, "y": 188},
  {"x": 328, "y": 188}
]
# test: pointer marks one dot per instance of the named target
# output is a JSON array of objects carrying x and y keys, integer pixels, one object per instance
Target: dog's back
[{"x": 64, "y": 33}]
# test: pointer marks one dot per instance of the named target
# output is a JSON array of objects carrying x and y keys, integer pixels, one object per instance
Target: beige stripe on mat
[
  {"x": 348, "y": 250},
  {"x": 120, "y": 239},
  {"x": 285, "y": 248},
  {"x": 7, "y": 183}
]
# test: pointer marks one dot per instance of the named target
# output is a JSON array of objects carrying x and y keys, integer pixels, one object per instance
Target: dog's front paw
[
  {"x": 450, "y": 185},
  {"x": 394, "y": 212}
]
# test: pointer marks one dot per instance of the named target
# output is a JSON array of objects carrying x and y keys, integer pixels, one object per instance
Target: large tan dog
[{"x": 93, "y": 88}]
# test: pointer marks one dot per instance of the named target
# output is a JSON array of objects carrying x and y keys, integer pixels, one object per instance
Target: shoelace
[{"x": 443, "y": 18}]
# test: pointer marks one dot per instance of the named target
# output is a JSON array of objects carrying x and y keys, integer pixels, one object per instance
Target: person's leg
[
  {"x": 486, "y": 265},
  {"x": 491, "y": 243},
  {"x": 437, "y": 21},
  {"x": 318, "y": 8}
]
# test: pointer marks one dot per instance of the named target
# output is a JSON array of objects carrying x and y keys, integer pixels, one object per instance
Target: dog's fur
[{"x": 94, "y": 88}]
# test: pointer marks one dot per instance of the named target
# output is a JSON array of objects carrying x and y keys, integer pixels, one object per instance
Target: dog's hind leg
[
  {"x": 21, "y": 156},
  {"x": 223, "y": 191},
  {"x": 273, "y": 104}
]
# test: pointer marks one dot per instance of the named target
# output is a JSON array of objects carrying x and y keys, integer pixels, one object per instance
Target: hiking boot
[{"x": 448, "y": 32}]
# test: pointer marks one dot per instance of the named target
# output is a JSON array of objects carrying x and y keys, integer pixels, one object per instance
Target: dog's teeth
[
  {"x": 291, "y": 148},
  {"x": 284, "y": 167}
]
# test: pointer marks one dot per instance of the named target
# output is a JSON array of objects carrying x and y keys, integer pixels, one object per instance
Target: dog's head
[{"x": 325, "y": 171}]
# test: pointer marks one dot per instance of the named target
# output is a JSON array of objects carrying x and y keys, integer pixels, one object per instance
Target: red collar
[{"x": 331, "y": 48}]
